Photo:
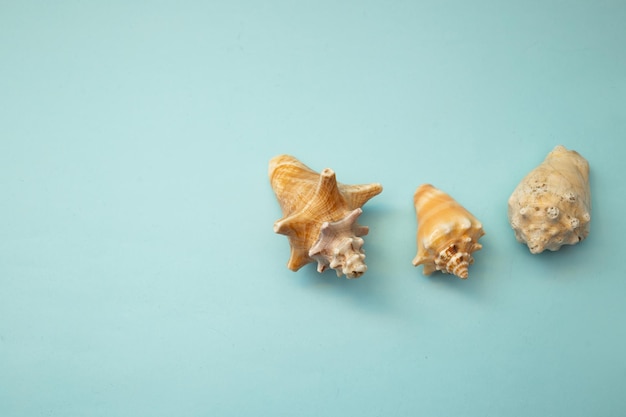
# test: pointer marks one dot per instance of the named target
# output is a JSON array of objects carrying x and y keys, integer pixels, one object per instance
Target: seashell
[
  {"x": 551, "y": 206},
  {"x": 319, "y": 216},
  {"x": 447, "y": 234}
]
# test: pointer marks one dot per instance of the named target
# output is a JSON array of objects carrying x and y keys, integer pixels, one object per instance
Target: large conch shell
[
  {"x": 320, "y": 216},
  {"x": 551, "y": 206},
  {"x": 447, "y": 234}
]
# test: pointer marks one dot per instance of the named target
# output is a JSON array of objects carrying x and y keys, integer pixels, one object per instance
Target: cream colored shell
[
  {"x": 319, "y": 216},
  {"x": 551, "y": 206},
  {"x": 447, "y": 234}
]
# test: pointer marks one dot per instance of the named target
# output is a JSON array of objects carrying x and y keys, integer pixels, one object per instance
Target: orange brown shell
[
  {"x": 319, "y": 216},
  {"x": 447, "y": 234}
]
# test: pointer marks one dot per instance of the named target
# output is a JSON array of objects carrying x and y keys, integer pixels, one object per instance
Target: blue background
[{"x": 139, "y": 273}]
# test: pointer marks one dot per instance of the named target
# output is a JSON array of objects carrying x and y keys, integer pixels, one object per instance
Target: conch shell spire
[
  {"x": 320, "y": 216},
  {"x": 551, "y": 206},
  {"x": 447, "y": 234}
]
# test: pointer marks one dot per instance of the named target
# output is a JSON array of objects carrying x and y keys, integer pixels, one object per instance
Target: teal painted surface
[{"x": 139, "y": 273}]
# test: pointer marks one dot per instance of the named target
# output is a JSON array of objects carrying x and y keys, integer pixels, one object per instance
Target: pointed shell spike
[
  {"x": 319, "y": 216},
  {"x": 447, "y": 234},
  {"x": 556, "y": 199}
]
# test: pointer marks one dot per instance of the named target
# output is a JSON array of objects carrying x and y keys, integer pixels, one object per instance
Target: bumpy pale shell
[
  {"x": 447, "y": 234},
  {"x": 551, "y": 206},
  {"x": 319, "y": 216}
]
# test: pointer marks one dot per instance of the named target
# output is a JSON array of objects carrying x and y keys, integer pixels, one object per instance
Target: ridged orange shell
[
  {"x": 319, "y": 216},
  {"x": 447, "y": 234}
]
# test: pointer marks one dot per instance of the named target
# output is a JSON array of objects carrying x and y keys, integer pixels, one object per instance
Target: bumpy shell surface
[
  {"x": 551, "y": 206},
  {"x": 447, "y": 234},
  {"x": 319, "y": 216}
]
